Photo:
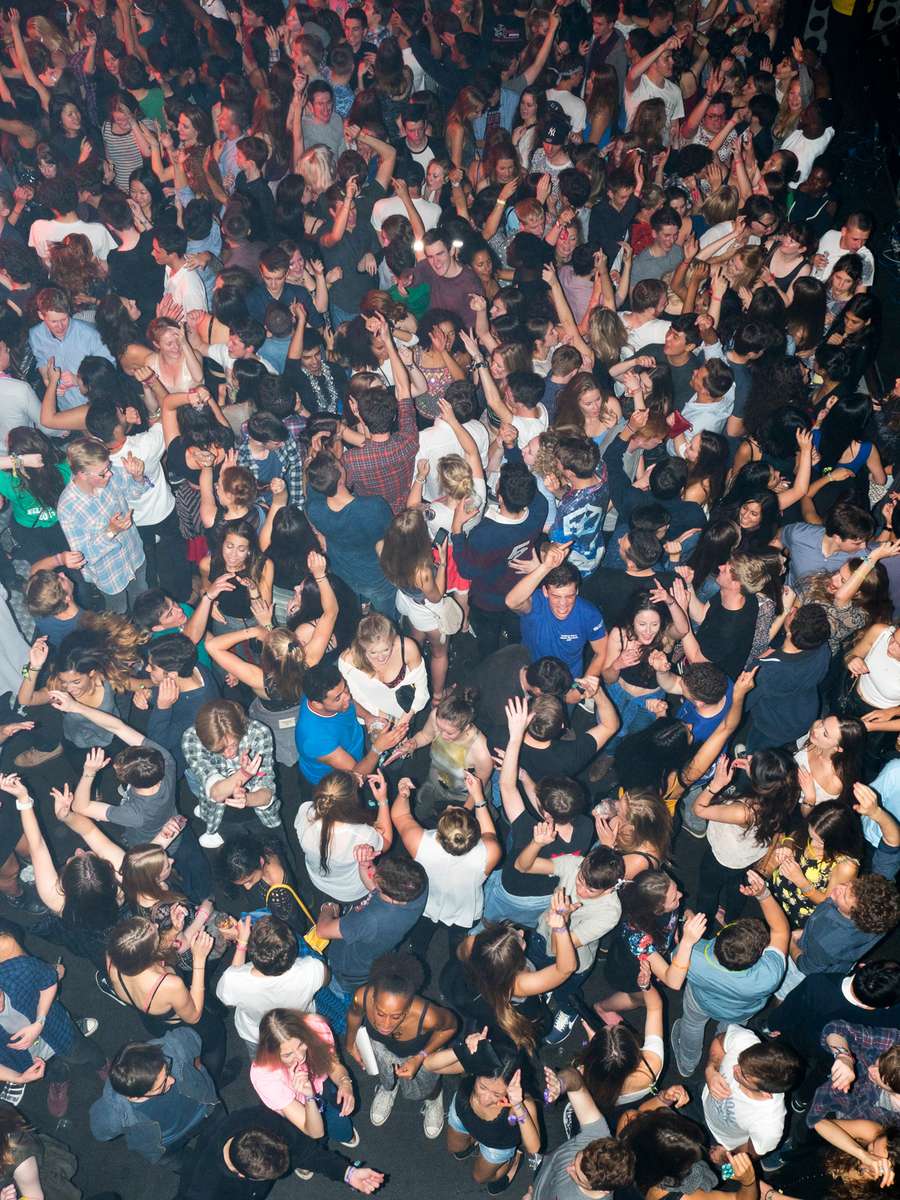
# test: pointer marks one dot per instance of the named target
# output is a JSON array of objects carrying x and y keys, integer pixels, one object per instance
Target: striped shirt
[{"x": 122, "y": 151}]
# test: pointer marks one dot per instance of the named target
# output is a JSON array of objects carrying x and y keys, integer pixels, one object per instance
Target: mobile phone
[
  {"x": 579, "y": 687},
  {"x": 439, "y": 538}
]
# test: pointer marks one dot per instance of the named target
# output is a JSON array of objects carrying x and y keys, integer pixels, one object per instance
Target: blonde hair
[
  {"x": 722, "y": 205},
  {"x": 283, "y": 662},
  {"x": 650, "y": 821},
  {"x": 371, "y": 629},
  {"x": 457, "y": 831},
  {"x": 607, "y": 335},
  {"x": 455, "y": 477},
  {"x": 752, "y": 258},
  {"x": 751, "y": 573},
  {"x": 141, "y": 870},
  {"x": 44, "y": 594},
  {"x": 86, "y": 452},
  {"x": 317, "y": 168}
]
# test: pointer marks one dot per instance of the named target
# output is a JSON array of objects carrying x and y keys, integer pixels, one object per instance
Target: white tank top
[
  {"x": 733, "y": 845},
  {"x": 881, "y": 687},
  {"x": 455, "y": 883}
]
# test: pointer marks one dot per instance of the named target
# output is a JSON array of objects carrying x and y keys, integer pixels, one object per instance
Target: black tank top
[
  {"x": 498, "y": 1134},
  {"x": 402, "y": 1049}
]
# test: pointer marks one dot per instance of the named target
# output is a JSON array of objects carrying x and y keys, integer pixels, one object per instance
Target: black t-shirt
[
  {"x": 565, "y": 756},
  {"x": 612, "y": 590},
  {"x": 517, "y": 883},
  {"x": 497, "y": 681},
  {"x": 681, "y": 376},
  {"x": 134, "y": 273},
  {"x": 726, "y": 637}
]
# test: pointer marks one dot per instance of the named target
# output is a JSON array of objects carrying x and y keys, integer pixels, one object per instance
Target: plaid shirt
[
  {"x": 386, "y": 468},
  {"x": 865, "y": 1101},
  {"x": 22, "y": 979},
  {"x": 291, "y": 469},
  {"x": 210, "y": 768},
  {"x": 110, "y": 563}
]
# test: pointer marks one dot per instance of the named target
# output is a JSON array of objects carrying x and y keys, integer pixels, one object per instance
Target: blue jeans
[
  {"x": 886, "y": 861},
  {"x": 633, "y": 714},
  {"x": 340, "y": 315},
  {"x": 382, "y": 597},
  {"x": 499, "y": 905},
  {"x": 338, "y": 1128},
  {"x": 539, "y": 958}
]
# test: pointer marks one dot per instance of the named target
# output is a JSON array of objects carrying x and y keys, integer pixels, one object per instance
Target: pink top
[{"x": 278, "y": 1086}]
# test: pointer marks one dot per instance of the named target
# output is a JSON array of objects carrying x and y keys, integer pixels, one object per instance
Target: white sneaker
[
  {"x": 197, "y": 812},
  {"x": 382, "y": 1105},
  {"x": 27, "y": 873},
  {"x": 302, "y": 1174},
  {"x": 88, "y": 1025},
  {"x": 211, "y": 841},
  {"x": 433, "y": 1113},
  {"x": 354, "y": 1141}
]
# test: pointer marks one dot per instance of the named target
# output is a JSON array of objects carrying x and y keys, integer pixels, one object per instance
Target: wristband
[
  {"x": 40, "y": 1021},
  {"x": 348, "y": 1173},
  {"x": 242, "y": 945},
  {"x": 423, "y": 1054},
  {"x": 26, "y": 671},
  {"x": 481, "y": 803},
  {"x": 24, "y": 805},
  {"x": 845, "y": 1051}
]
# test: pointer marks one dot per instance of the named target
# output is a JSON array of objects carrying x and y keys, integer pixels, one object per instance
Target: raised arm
[
  {"x": 517, "y": 718},
  {"x": 45, "y": 875}
]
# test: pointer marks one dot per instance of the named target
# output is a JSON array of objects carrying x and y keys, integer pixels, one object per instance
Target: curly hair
[
  {"x": 607, "y": 1164},
  {"x": 876, "y": 904}
]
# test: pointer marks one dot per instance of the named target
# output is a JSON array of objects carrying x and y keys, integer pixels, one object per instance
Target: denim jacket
[{"x": 113, "y": 1114}]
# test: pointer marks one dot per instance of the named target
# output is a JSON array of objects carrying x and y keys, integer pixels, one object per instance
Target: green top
[
  {"x": 415, "y": 301},
  {"x": 26, "y": 510},
  {"x": 153, "y": 107},
  {"x": 202, "y": 656}
]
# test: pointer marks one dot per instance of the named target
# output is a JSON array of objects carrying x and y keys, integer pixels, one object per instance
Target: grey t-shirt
[
  {"x": 804, "y": 543},
  {"x": 142, "y": 817},
  {"x": 648, "y": 266},
  {"x": 553, "y": 1181}
]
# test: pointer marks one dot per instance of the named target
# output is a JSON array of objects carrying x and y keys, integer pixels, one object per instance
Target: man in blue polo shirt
[
  {"x": 556, "y": 621},
  {"x": 329, "y": 735}
]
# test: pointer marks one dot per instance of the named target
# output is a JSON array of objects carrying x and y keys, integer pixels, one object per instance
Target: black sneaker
[{"x": 106, "y": 987}]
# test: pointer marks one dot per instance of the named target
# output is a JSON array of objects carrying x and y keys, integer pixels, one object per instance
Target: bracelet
[
  {"x": 841, "y": 1053},
  {"x": 423, "y": 1054},
  {"x": 679, "y": 966},
  {"x": 199, "y": 966},
  {"x": 242, "y": 945},
  {"x": 348, "y": 1173},
  {"x": 24, "y": 805},
  {"x": 481, "y": 804},
  {"x": 26, "y": 671},
  {"x": 319, "y": 578}
]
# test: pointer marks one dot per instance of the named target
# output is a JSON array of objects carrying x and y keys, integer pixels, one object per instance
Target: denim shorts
[{"x": 488, "y": 1153}]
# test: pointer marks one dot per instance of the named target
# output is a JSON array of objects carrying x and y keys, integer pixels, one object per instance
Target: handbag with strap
[
  {"x": 312, "y": 939},
  {"x": 449, "y": 615}
]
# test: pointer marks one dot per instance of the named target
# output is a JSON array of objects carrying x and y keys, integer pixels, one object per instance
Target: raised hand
[
  {"x": 517, "y": 716},
  {"x": 94, "y": 762},
  {"x": 544, "y": 833}
]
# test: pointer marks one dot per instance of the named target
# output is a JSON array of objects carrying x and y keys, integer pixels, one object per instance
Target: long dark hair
[
  {"x": 349, "y": 611},
  {"x": 496, "y": 960},
  {"x": 44, "y": 483},
  {"x": 240, "y": 528},
  {"x": 647, "y": 759},
  {"x": 844, "y": 423},
  {"x": 773, "y": 793},
  {"x": 91, "y": 892},
  {"x": 666, "y": 1145},
  {"x": 840, "y": 829},
  {"x": 711, "y": 465},
  {"x": 292, "y": 540},
  {"x": 611, "y": 1055},
  {"x": 715, "y": 546}
]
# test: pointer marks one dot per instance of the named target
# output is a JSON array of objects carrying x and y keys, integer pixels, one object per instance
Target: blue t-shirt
[
  {"x": 351, "y": 535},
  {"x": 579, "y": 519},
  {"x": 733, "y": 995},
  {"x": 318, "y": 736},
  {"x": 543, "y": 634},
  {"x": 701, "y": 726}
]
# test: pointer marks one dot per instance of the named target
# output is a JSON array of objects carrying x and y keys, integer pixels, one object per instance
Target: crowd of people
[{"x": 449, "y": 572}]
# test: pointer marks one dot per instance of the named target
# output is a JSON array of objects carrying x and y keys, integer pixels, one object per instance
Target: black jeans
[
  {"x": 718, "y": 882},
  {"x": 83, "y": 1054},
  {"x": 167, "y": 562},
  {"x": 488, "y": 627}
]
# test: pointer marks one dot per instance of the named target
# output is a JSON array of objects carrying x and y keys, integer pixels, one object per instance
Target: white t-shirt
[
  {"x": 591, "y": 921},
  {"x": 669, "y": 93},
  {"x": 649, "y": 333},
  {"x": 219, "y": 353},
  {"x": 438, "y": 441},
  {"x": 530, "y": 427},
  {"x": 186, "y": 288},
  {"x": 155, "y": 502},
  {"x": 718, "y": 231},
  {"x": 739, "y": 1118},
  {"x": 830, "y": 246},
  {"x": 455, "y": 882},
  {"x": 252, "y": 995},
  {"x": 44, "y": 233},
  {"x": 393, "y": 206},
  {"x": 807, "y": 150},
  {"x": 573, "y": 106},
  {"x": 342, "y": 882}
]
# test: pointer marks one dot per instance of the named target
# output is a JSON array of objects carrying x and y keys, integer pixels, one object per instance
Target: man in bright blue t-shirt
[
  {"x": 329, "y": 735},
  {"x": 556, "y": 621}
]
